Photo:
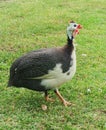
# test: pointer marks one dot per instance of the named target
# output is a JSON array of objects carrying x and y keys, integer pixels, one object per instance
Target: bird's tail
[
  {"x": 11, "y": 78},
  {"x": 9, "y": 84}
]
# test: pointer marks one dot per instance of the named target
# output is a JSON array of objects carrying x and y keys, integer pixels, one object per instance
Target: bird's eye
[{"x": 75, "y": 25}]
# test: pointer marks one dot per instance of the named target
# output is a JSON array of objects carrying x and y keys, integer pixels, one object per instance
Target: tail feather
[
  {"x": 13, "y": 70},
  {"x": 11, "y": 78},
  {"x": 9, "y": 83}
]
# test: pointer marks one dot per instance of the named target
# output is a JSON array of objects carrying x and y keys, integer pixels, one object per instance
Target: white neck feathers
[{"x": 69, "y": 32}]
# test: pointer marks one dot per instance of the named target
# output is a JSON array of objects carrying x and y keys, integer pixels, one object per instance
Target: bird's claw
[
  {"x": 49, "y": 99},
  {"x": 66, "y": 103}
]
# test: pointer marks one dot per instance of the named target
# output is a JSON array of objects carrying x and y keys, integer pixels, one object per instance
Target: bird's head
[{"x": 73, "y": 29}]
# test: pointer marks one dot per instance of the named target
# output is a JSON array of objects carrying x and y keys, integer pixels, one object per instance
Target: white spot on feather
[{"x": 15, "y": 70}]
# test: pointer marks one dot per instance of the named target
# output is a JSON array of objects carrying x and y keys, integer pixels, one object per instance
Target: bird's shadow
[{"x": 30, "y": 101}]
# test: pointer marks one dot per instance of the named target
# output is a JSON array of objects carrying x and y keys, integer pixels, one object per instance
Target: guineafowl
[{"x": 46, "y": 69}]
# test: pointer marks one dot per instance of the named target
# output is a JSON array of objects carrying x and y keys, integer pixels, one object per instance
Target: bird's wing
[{"x": 36, "y": 64}]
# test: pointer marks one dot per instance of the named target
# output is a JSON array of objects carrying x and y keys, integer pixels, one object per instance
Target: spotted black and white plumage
[{"x": 45, "y": 69}]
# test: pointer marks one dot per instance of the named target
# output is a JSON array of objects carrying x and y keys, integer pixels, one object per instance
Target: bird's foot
[
  {"x": 49, "y": 99},
  {"x": 66, "y": 103}
]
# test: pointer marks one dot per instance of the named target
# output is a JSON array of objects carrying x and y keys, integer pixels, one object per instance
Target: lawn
[{"x": 27, "y": 25}]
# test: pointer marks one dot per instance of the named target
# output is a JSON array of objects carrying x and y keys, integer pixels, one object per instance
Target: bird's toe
[
  {"x": 66, "y": 103},
  {"x": 49, "y": 99}
]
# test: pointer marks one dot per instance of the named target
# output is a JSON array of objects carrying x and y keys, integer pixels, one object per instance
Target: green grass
[{"x": 27, "y": 25}]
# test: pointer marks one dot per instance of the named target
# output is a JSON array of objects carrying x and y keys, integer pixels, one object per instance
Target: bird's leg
[
  {"x": 66, "y": 103},
  {"x": 47, "y": 97}
]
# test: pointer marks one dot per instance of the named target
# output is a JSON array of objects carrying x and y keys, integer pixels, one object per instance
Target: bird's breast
[{"x": 56, "y": 77}]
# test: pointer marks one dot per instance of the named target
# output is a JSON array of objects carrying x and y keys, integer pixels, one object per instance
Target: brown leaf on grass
[{"x": 44, "y": 107}]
